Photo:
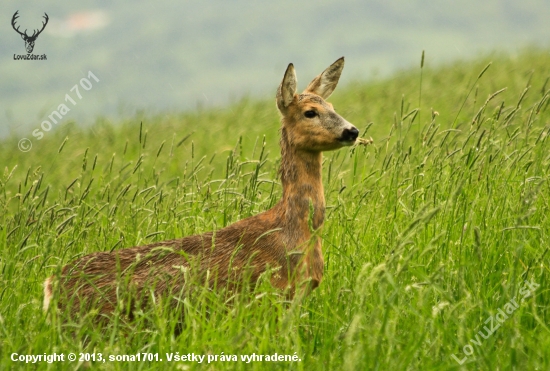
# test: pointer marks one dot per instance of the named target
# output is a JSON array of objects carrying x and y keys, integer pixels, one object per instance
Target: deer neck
[{"x": 301, "y": 177}]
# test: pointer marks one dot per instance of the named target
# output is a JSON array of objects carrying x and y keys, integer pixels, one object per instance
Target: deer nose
[{"x": 350, "y": 134}]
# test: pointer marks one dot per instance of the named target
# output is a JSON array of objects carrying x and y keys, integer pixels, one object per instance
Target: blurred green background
[{"x": 165, "y": 56}]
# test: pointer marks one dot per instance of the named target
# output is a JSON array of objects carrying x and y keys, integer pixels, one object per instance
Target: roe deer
[{"x": 283, "y": 238}]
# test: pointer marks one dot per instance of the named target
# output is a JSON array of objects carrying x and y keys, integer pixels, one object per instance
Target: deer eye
[{"x": 310, "y": 114}]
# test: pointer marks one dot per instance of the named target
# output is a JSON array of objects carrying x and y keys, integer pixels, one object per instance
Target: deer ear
[
  {"x": 287, "y": 89},
  {"x": 324, "y": 84}
]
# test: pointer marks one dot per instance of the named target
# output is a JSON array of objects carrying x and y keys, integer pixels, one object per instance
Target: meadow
[{"x": 431, "y": 232}]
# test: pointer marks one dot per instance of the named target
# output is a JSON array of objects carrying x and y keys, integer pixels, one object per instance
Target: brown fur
[{"x": 284, "y": 238}]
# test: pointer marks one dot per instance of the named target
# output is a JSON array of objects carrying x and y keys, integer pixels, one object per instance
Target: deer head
[
  {"x": 309, "y": 121},
  {"x": 29, "y": 40}
]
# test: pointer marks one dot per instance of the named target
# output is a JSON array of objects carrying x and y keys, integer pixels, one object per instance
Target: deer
[
  {"x": 29, "y": 40},
  {"x": 284, "y": 240}
]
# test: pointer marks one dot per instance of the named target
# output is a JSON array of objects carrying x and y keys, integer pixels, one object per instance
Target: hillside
[
  {"x": 177, "y": 56},
  {"x": 429, "y": 232}
]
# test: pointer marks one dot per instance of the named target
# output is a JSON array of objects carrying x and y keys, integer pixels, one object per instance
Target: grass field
[{"x": 430, "y": 235}]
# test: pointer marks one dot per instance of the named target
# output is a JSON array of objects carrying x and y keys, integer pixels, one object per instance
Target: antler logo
[{"x": 29, "y": 40}]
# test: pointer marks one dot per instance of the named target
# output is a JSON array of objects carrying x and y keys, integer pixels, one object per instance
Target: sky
[{"x": 165, "y": 56}]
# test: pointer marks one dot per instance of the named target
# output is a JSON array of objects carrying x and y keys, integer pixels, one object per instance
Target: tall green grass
[{"x": 429, "y": 231}]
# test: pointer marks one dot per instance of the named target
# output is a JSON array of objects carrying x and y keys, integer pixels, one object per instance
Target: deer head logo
[{"x": 29, "y": 40}]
